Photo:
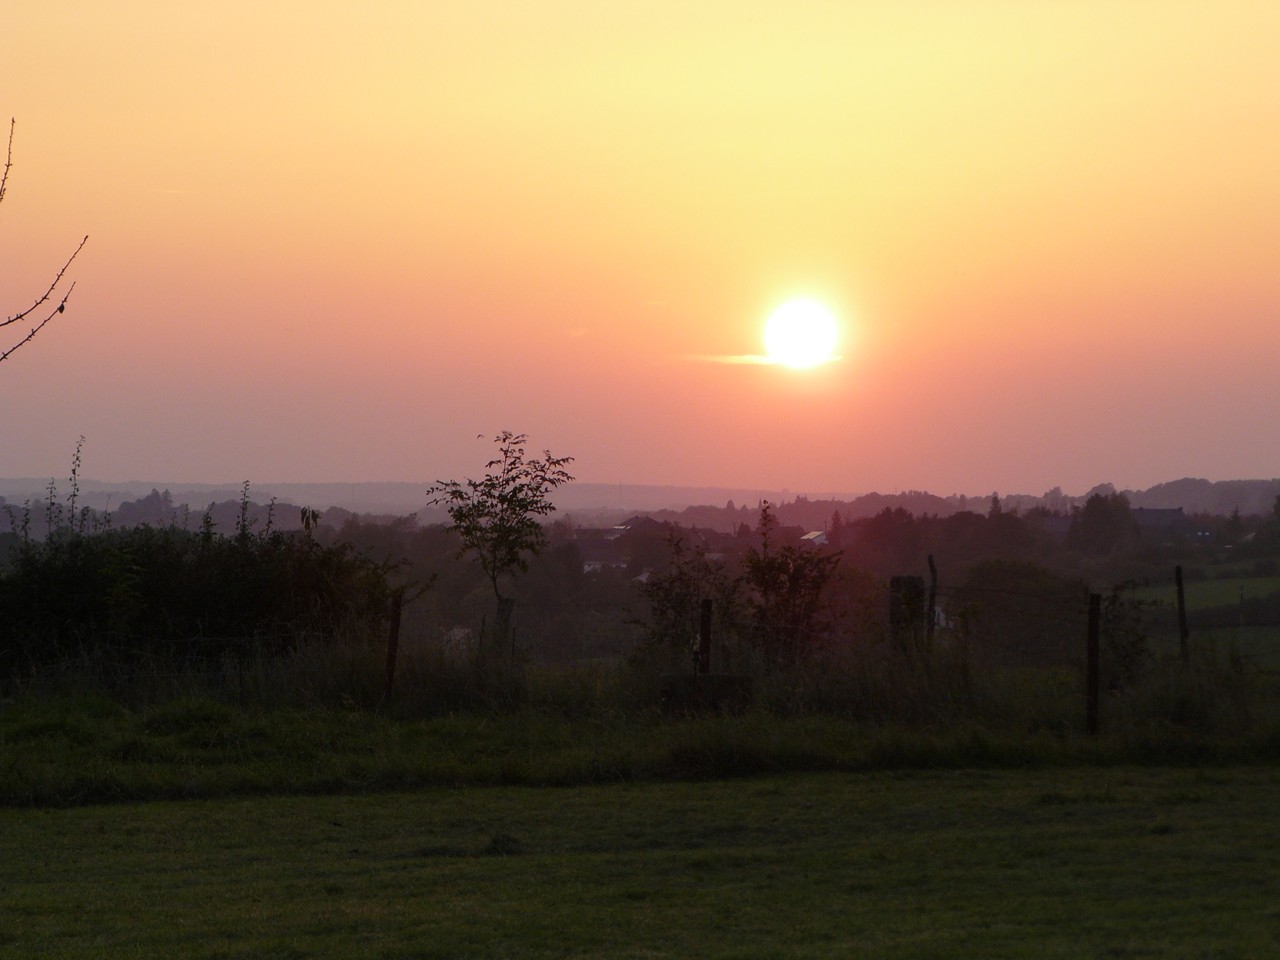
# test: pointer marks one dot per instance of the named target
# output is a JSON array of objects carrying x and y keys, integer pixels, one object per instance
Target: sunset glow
[
  {"x": 800, "y": 333},
  {"x": 339, "y": 241}
]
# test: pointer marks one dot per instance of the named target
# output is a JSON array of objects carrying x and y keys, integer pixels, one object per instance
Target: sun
[{"x": 801, "y": 333}]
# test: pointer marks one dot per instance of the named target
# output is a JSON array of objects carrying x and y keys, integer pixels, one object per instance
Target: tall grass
[
  {"x": 868, "y": 683},
  {"x": 58, "y": 750}
]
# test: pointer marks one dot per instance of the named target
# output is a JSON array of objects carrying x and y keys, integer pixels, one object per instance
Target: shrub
[{"x": 174, "y": 595}]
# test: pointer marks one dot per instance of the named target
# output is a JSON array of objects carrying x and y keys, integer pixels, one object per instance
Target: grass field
[
  {"x": 1121, "y": 862},
  {"x": 1258, "y": 644},
  {"x": 1216, "y": 592}
]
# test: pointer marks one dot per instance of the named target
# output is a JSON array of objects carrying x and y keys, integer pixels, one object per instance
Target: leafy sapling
[{"x": 498, "y": 515}]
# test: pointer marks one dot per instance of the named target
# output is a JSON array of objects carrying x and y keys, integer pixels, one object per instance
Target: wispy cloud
[
  {"x": 737, "y": 358},
  {"x": 749, "y": 359}
]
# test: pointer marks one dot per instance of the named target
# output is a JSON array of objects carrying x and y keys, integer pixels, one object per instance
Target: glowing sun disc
[{"x": 800, "y": 333}]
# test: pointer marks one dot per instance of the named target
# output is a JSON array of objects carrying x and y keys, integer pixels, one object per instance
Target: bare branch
[
  {"x": 61, "y": 307},
  {"x": 8, "y": 159},
  {"x": 45, "y": 297},
  {"x": 17, "y": 317}
]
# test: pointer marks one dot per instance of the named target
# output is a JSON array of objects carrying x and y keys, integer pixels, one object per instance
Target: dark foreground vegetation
[
  {"x": 180, "y": 661},
  {"x": 142, "y": 598}
]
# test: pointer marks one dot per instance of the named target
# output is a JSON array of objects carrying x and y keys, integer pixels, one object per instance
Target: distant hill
[
  {"x": 715, "y": 507},
  {"x": 596, "y": 500},
  {"x": 1204, "y": 496}
]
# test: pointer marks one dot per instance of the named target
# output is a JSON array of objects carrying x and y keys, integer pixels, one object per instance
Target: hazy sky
[{"x": 336, "y": 240}]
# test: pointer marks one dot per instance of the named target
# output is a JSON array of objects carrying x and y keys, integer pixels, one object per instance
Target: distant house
[
  {"x": 642, "y": 525},
  {"x": 1161, "y": 523},
  {"x": 600, "y": 553},
  {"x": 1056, "y": 525},
  {"x": 1158, "y": 517},
  {"x": 817, "y": 538},
  {"x": 595, "y": 533}
]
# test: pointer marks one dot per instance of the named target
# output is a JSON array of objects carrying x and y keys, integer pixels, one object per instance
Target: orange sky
[{"x": 336, "y": 241}]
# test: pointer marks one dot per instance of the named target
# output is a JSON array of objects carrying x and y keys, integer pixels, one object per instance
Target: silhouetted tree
[
  {"x": 888, "y": 542},
  {"x": 786, "y": 586},
  {"x": 1233, "y": 528},
  {"x": 835, "y": 530},
  {"x": 674, "y": 596},
  {"x": 497, "y": 515},
  {"x": 1103, "y": 525},
  {"x": 34, "y": 313}
]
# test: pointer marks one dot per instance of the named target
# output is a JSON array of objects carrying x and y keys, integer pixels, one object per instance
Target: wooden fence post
[
  {"x": 1184, "y": 636},
  {"x": 932, "y": 612},
  {"x": 1091, "y": 669},
  {"x": 393, "y": 640},
  {"x": 504, "y": 627},
  {"x": 704, "y": 636},
  {"x": 906, "y": 610}
]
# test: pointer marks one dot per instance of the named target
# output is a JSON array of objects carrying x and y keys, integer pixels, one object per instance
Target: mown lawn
[{"x": 1115, "y": 862}]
